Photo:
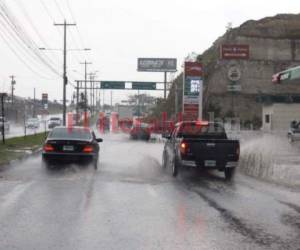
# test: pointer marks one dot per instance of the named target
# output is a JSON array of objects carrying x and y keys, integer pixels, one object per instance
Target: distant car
[
  {"x": 68, "y": 145},
  {"x": 140, "y": 131},
  {"x": 294, "y": 131},
  {"x": 32, "y": 123},
  {"x": 5, "y": 122},
  {"x": 54, "y": 122}
]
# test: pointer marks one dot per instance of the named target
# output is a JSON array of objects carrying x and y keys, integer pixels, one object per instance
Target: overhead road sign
[
  {"x": 157, "y": 64},
  {"x": 235, "y": 51},
  {"x": 144, "y": 85},
  {"x": 120, "y": 85},
  {"x": 112, "y": 85}
]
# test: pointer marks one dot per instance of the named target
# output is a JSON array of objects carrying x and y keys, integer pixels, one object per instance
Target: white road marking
[
  {"x": 151, "y": 191},
  {"x": 11, "y": 198}
]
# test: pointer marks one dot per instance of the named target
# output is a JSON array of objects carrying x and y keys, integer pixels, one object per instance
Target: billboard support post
[{"x": 165, "y": 85}]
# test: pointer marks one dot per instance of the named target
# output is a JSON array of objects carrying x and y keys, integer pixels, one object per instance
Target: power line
[
  {"x": 23, "y": 36},
  {"x": 27, "y": 16},
  {"x": 71, "y": 33},
  {"x": 82, "y": 43},
  {"x": 59, "y": 9},
  {"x": 21, "y": 58}
]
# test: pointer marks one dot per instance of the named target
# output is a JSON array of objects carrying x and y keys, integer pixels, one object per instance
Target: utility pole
[
  {"x": 13, "y": 83},
  {"x": 65, "y": 79},
  {"x": 85, "y": 84},
  {"x": 165, "y": 85},
  {"x": 34, "y": 105},
  {"x": 2, "y": 96},
  {"x": 111, "y": 100},
  {"x": 176, "y": 98},
  {"x": 77, "y": 103}
]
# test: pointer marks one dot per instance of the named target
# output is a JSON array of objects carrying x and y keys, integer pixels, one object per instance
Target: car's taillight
[
  {"x": 88, "y": 149},
  {"x": 183, "y": 147},
  {"x": 48, "y": 148}
]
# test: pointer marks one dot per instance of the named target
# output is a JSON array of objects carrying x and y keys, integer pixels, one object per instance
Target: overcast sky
[{"x": 118, "y": 32}]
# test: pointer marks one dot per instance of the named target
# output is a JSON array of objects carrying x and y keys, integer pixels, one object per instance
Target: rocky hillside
[{"x": 274, "y": 45}]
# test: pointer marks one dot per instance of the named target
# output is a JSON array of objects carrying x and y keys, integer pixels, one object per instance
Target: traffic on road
[
  {"x": 149, "y": 125},
  {"x": 132, "y": 202}
]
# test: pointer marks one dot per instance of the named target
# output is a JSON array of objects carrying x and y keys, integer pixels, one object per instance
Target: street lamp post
[{"x": 65, "y": 78}]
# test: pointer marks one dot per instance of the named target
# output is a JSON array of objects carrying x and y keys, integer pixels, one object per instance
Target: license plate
[
  {"x": 210, "y": 163},
  {"x": 68, "y": 148}
]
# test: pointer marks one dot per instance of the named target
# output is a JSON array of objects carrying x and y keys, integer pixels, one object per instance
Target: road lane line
[
  {"x": 151, "y": 191},
  {"x": 12, "y": 197}
]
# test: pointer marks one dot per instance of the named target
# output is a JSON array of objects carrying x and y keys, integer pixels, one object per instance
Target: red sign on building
[
  {"x": 235, "y": 51},
  {"x": 193, "y": 69}
]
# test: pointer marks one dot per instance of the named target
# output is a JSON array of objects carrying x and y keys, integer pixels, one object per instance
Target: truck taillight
[
  {"x": 183, "y": 147},
  {"x": 48, "y": 148}
]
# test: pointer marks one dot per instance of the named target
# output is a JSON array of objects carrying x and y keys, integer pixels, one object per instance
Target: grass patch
[{"x": 17, "y": 147}]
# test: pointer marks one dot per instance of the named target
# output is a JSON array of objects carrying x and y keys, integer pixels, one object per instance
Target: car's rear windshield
[
  {"x": 70, "y": 133},
  {"x": 211, "y": 130},
  {"x": 55, "y": 119}
]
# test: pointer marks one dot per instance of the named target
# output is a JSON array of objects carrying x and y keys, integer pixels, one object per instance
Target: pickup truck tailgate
[{"x": 219, "y": 150}]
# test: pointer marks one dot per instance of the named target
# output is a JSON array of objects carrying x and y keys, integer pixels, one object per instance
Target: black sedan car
[{"x": 76, "y": 144}]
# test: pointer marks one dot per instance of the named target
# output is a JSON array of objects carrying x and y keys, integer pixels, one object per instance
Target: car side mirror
[
  {"x": 166, "y": 136},
  {"x": 99, "y": 140}
]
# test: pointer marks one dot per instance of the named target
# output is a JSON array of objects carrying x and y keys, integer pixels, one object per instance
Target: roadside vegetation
[{"x": 18, "y": 147}]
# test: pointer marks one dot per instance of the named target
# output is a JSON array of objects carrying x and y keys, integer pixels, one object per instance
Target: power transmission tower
[{"x": 65, "y": 79}]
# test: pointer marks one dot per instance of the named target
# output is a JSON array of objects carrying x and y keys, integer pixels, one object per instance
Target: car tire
[
  {"x": 164, "y": 160},
  {"x": 229, "y": 173},
  {"x": 95, "y": 163},
  {"x": 174, "y": 168},
  {"x": 46, "y": 163},
  {"x": 290, "y": 138}
]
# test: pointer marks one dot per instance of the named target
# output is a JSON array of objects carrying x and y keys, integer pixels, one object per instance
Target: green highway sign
[
  {"x": 144, "y": 85},
  {"x": 112, "y": 85}
]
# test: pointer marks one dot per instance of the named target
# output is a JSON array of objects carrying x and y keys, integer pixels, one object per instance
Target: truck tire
[
  {"x": 164, "y": 160},
  {"x": 229, "y": 173},
  {"x": 174, "y": 168}
]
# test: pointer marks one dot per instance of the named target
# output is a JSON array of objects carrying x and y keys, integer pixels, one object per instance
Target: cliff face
[{"x": 274, "y": 46}]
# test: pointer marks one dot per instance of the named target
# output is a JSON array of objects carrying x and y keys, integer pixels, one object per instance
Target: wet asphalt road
[{"x": 132, "y": 203}]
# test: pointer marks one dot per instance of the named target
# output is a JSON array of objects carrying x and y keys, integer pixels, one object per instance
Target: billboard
[
  {"x": 193, "y": 69},
  {"x": 235, "y": 51},
  {"x": 192, "y": 91},
  {"x": 157, "y": 64},
  {"x": 45, "y": 100}
]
